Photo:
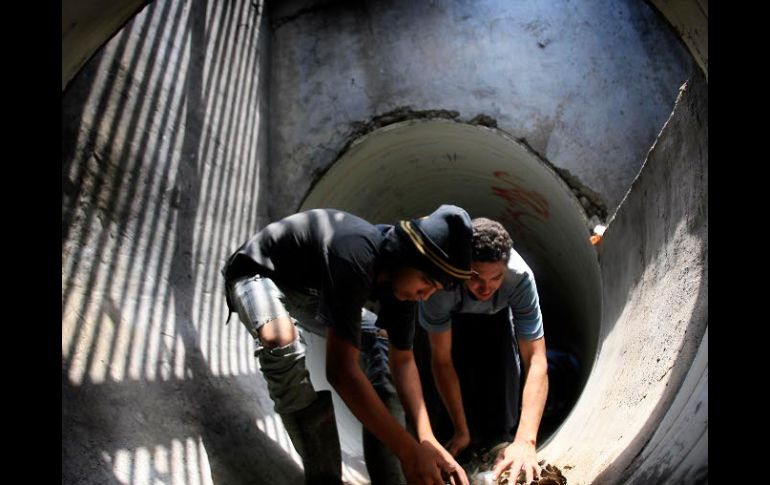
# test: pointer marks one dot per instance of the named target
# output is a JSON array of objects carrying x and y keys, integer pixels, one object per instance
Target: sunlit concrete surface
[
  {"x": 199, "y": 122},
  {"x": 643, "y": 415}
]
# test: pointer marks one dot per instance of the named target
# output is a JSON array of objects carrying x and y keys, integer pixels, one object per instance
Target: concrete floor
[{"x": 199, "y": 122}]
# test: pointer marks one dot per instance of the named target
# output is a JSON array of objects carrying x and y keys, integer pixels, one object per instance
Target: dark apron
[{"x": 486, "y": 360}]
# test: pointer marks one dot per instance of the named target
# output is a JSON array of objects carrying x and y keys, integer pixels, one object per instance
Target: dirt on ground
[{"x": 479, "y": 469}]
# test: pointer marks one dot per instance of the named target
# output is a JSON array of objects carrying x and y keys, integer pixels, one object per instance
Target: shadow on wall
[{"x": 162, "y": 149}]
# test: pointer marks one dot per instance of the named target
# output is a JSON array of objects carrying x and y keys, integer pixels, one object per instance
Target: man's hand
[
  {"x": 459, "y": 442},
  {"x": 519, "y": 455},
  {"x": 420, "y": 467},
  {"x": 430, "y": 464},
  {"x": 451, "y": 471}
]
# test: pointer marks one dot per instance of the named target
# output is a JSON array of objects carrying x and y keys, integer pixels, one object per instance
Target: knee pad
[{"x": 257, "y": 300}]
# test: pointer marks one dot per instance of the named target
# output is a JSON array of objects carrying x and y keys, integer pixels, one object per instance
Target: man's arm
[
  {"x": 522, "y": 453},
  {"x": 448, "y": 386},
  {"x": 342, "y": 371},
  {"x": 407, "y": 381}
]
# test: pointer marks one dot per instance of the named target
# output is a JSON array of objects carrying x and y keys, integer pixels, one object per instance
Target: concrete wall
[
  {"x": 166, "y": 167},
  {"x": 587, "y": 84},
  {"x": 85, "y": 26},
  {"x": 163, "y": 160},
  {"x": 643, "y": 415},
  {"x": 690, "y": 19}
]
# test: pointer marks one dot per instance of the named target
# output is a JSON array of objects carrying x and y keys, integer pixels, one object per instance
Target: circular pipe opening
[{"x": 407, "y": 169}]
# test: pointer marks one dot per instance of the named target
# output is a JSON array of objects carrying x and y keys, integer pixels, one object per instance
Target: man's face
[
  {"x": 486, "y": 278},
  {"x": 410, "y": 284}
]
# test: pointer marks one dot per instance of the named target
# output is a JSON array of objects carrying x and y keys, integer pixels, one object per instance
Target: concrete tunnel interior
[
  {"x": 490, "y": 175},
  {"x": 187, "y": 131}
]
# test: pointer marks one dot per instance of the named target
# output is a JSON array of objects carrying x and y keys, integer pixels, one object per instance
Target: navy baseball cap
[{"x": 441, "y": 243}]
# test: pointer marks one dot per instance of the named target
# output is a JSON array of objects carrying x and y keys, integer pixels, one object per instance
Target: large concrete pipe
[
  {"x": 200, "y": 122},
  {"x": 646, "y": 325},
  {"x": 407, "y": 169}
]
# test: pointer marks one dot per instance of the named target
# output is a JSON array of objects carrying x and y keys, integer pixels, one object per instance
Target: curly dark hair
[{"x": 491, "y": 242}]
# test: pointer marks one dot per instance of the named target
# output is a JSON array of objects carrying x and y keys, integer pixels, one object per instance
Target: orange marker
[{"x": 596, "y": 238}]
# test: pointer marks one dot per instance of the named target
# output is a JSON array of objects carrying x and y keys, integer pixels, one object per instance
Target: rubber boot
[{"x": 313, "y": 431}]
